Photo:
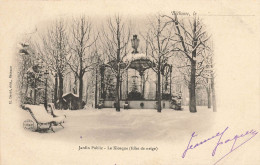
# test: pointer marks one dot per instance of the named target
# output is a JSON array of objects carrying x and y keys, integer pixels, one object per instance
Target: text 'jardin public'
[{"x": 118, "y": 148}]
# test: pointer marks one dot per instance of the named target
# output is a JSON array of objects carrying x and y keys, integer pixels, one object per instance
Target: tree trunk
[
  {"x": 87, "y": 94},
  {"x": 213, "y": 94},
  {"x": 118, "y": 70},
  {"x": 60, "y": 90},
  {"x": 171, "y": 82},
  {"x": 192, "y": 89},
  {"x": 102, "y": 72},
  {"x": 46, "y": 95},
  {"x": 23, "y": 73},
  {"x": 96, "y": 90},
  {"x": 162, "y": 85},
  {"x": 117, "y": 91},
  {"x": 80, "y": 92},
  {"x": 120, "y": 88},
  {"x": 75, "y": 89},
  {"x": 70, "y": 84},
  {"x": 55, "y": 90},
  {"x": 159, "y": 107},
  {"x": 127, "y": 84},
  {"x": 209, "y": 96},
  {"x": 35, "y": 91},
  {"x": 27, "y": 85},
  {"x": 35, "y": 96}
]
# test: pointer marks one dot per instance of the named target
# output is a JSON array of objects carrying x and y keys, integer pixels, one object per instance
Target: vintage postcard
[{"x": 130, "y": 82}]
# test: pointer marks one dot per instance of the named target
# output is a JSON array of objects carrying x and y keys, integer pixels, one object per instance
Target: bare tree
[
  {"x": 159, "y": 39},
  {"x": 202, "y": 80},
  {"x": 192, "y": 39},
  {"x": 90, "y": 87},
  {"x": 53, "y": 50},
  {"x": 209, "y": 78},
  {"x": 115, "y": 43},
  {"x": 82, "y": 56},
  {"x": 25, "y": 58}
]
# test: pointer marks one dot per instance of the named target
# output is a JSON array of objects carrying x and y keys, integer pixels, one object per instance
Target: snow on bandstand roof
[
  {"x": 139, "y": 61},
  {"x": 136, "y": 56},
  {"x": 70, "y": 93}
]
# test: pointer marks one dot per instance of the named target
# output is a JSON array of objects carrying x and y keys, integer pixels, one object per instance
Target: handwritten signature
[{"x": 248, "y": 134}]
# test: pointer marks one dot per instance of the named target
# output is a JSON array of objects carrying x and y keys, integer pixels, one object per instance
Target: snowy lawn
[{"x": 128, "y": 125}]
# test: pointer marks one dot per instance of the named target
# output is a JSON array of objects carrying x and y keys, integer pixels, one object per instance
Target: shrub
[
  {"x": 142, "y": 105},
  {"x": 166, "y": 96},
  {"x": 135, "y": 95}
]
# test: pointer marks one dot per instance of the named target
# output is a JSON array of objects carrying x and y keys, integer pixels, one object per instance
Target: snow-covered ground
[
  {"x": 128, "y": 125},
  {"x": 169, "y": 131}
]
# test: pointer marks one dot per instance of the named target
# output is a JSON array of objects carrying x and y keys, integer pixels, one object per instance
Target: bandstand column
[{"x": 142, "y": 82}]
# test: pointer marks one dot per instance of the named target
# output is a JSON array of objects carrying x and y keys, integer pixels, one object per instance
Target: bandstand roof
[{"x": 139, "y": 62}]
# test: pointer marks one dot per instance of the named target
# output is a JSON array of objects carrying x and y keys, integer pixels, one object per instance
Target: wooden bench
[{"x": 41, "y": 117}]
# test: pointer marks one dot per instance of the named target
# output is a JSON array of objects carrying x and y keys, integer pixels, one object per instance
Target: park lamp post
[{"x": 46, "y": 73}]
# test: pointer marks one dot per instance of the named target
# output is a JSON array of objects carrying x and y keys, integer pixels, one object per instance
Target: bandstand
[{"x": 138, "y": 85}]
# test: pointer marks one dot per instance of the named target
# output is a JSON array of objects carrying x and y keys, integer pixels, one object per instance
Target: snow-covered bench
[
  {"x": 41, "y": 117},
  {"x": 50, "y": 110}
]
